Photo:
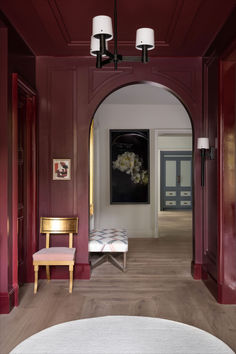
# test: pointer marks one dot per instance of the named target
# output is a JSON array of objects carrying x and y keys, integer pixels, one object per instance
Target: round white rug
[{"x": 122, "y": 335}]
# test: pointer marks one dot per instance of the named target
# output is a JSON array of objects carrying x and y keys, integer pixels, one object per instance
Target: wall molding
[
  {"x": 99, "y": 78},
  {"x": 196, "y": 270}
]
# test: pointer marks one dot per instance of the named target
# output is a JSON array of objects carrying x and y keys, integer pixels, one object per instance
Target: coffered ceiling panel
[{"x": 63, "y": 27}]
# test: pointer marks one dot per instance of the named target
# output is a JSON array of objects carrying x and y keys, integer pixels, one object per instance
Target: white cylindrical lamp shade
[
  {"x": 203, "y": 143},
  {"x": 145, "y": 36},
  {"x": 102, "y": 25},
  {"x": 95, "y": 46}
]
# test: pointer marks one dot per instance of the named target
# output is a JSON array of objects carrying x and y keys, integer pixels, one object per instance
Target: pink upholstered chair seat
[{"x": 55, "y": 254}]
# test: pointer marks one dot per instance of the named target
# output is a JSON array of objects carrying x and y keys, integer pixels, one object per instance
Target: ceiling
[
  {"x": 144, "y": 94},
  {"x": 63, "y": 27}
]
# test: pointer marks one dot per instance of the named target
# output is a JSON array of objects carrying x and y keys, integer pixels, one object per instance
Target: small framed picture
[{"x": 61, "y": 169}]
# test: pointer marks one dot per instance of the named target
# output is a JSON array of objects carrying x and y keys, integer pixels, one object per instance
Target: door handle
[{"x": 178, "y": 179}]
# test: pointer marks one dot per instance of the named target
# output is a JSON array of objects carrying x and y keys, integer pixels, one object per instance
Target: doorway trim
[
  {"x": 164, "y": 155},
  {"x": 154, "y": 142},
  {"x": 185, "y": 96},
  {"x": 31, "y": 189},
  {"x": 170, "y": 132}
]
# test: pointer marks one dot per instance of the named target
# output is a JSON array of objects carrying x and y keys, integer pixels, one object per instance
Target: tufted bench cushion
[{"x": 108, "y": 240}]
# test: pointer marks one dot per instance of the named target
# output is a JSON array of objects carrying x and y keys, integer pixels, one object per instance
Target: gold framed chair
[{"x": 56, "y": 255}]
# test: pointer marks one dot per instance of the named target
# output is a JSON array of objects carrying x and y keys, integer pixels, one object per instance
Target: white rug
[{"x": 122, "y": 335}]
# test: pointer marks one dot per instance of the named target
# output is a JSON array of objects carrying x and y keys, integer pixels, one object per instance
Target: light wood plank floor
[{"x": 157, "y": 283}]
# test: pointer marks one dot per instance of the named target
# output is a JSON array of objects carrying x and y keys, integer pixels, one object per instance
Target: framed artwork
[
  {"x": 129, "y": 166},
  {"x": 61, "y": 169}
]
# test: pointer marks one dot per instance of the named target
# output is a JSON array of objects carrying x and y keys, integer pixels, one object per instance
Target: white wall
[{"x": 140, "y": 220}]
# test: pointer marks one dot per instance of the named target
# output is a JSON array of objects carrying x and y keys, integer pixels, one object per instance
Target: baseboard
[
  {"x": 196, "y": 270},
  {"x": 211, "y": 285},
  {"x": 221, "y": 292},
  {"x": 81, "y": 271},
  {"x": 226, "y": 295},
  {"x": 7, "y": 301}
]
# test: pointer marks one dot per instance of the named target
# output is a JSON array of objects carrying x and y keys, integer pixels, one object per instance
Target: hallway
[{"x": 157, "y": 283}]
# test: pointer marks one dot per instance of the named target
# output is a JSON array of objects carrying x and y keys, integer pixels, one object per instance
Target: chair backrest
[{"x": 59, "y": 226}]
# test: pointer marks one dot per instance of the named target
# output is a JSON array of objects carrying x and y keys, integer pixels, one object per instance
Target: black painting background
[{"x": 123, "y": 190}]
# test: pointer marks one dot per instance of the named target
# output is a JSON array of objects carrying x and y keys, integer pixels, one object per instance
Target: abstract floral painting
[
  {"x": 129, "y": 166},
  {"x": 61, "y": 169}
]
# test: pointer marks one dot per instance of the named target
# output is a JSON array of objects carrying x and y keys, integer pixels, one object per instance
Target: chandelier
[{"x": 102, "y": 33}]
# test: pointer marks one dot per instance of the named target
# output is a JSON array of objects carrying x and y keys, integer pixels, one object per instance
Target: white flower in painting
[
  {"x": 136, "y": 178},
  {"x": 131, "y": 164},
  {"x": 144, "y": 177}
]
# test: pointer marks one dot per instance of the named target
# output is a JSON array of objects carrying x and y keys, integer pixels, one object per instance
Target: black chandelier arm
[
  {"x": 109, "y": 54},
  {"x": 100, "y": 63},
  {"x": 144, "y": 54},
  {"x": 106, "y": 61},
  {"x": 127, "y": 59},
  {"x": 99, "y": 60},
  {"x": 102, "y": 48}
]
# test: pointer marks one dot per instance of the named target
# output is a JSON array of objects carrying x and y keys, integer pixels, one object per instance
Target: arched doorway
[{"x": 165, "y": 117}]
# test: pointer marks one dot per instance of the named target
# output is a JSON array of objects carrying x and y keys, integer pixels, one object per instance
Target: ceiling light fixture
[{"x": 102, "y": 33}]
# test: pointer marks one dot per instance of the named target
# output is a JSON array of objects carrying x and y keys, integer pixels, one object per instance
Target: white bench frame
[{"x": 107, "y": 257}]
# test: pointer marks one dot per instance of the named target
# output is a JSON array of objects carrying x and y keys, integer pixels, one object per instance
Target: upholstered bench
[{"x": 109, "y": 241}]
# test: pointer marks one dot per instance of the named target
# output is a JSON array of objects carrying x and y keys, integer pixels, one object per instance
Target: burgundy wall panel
[
  {"x": 220, "y": 88},
  {"x": 70, "y": 91},
  {"x": 210, "y": 200},
  {"x": 15, "y": 56},
  {"x": 227, "y": 173},
  {"x": 4, "y": 183},
  {"x": 59, "y": 135}
]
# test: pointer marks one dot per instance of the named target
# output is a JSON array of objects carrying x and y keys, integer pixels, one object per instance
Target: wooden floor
[{"x": 157, "y": 283}]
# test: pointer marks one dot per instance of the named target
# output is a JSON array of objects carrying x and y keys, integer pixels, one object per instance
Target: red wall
[
  {"x": 219, "y": 86},
  {"x": 211, "y": 84},
  {"x": 70, "y": 90},
  {"x": 4, "y": 183},
  {"x": 15, "y": 56},
  {"x": 227, "y": 174}
]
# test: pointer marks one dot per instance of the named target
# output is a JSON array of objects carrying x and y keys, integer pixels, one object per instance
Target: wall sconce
[
  {"x": 206, "y": 151},
  {"x": 203, "y": 145}
]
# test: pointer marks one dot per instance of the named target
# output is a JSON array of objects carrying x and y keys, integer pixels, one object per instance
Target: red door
[
  {"x": 23, "y": 182},
  {"x": 22, "y": 200}
]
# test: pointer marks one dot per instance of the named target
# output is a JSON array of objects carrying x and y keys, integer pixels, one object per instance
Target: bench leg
[
  {"x": 125, "y": 261},
  {"x": 36, "y": 269},
  {"x": 99, "y": 261},
  {"x": 71, "y": 278},
  {"x": 48, "y": 272},
  {"x": 114, "y": 261}
]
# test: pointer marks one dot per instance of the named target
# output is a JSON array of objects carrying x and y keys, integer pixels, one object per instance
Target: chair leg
[
  {"x": 36, "y": 269},
  {"x": 48, "y": 272},
  {"x": 71, "y": 278}
]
